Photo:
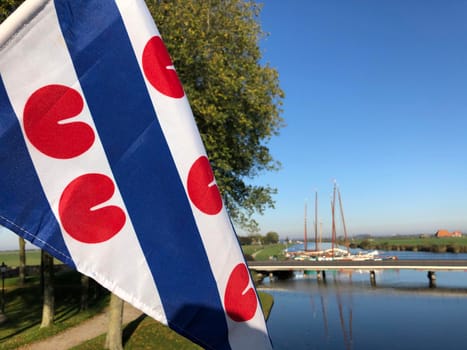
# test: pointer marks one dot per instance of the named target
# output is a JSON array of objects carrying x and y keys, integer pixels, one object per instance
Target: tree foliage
[
  {"x": 271, "y": 238},
  {"x": 235, "y": 99},
  {"x": 7, "y": 7},
  {"x": 257, "y": 239}
]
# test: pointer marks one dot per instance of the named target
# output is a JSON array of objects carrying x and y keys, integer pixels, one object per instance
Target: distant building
[{"x": 446, "y": 233}]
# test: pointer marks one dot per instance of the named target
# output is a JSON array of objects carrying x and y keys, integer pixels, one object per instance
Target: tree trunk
[
  {"x": 47, "y": 264},
  {"x": 84, "y": 292},
  {"x": 113, "y": 341},
  {"x": 3, "y": 318},
  {"x": 22, "y": 261}
]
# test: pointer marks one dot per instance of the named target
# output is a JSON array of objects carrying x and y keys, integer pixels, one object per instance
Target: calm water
[{"x": 346, "y": 312}]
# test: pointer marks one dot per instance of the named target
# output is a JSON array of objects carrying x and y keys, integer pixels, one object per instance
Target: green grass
[
  {"x": 267, "y": 301},
  {"x": 427, "y": 240},
  {"x": 414, "y": 243},
  {"x": 264, "y": 252},
  {"x": 146, "y": 333},
  {"x": 11, "y": 257},
  {"x": 251, "y": 249},
  {"x": 33, "y": 258},
  {"x": 24, "y": 309}
]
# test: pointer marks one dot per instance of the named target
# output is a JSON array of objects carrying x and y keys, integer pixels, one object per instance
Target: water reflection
[{"x": 346, "y": 312}]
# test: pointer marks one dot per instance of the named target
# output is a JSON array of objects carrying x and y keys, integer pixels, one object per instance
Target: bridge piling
[
  {"x": 373, "y": 278},
  {"x": 321, "y": 275},
  {"x": 271, "y": 276},
  {"x": 432, "y": 278}
]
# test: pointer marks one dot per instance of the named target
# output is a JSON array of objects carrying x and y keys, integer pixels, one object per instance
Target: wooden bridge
[{"x": 275, "y": 267}]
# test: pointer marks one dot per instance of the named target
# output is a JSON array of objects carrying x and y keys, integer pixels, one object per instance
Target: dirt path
[
  {"x": 84, "y": 331},
  {"x": 255, "y": 253}
]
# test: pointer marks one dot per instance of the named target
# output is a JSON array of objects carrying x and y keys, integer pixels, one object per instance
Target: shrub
[{"x": 248, "y": 257}]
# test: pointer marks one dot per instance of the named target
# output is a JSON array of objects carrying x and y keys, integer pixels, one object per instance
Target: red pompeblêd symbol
[
  {"x": 202, "y": 189},
  {"x": 44, "y": 113},
  {"x": 158, "y": 69},
  {"x": 77, "y": 215},
  {"x": 240, "y": 298}
]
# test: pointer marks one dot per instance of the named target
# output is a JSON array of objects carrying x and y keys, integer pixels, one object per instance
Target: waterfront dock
[
  {"x": 297, "y": 265},
  {"x": 275, "y": 267}
]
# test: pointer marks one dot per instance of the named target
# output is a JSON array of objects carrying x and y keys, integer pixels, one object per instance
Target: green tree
[
  {"x": 235, "y": 99},
  {"x": 271, "y": 237},
  {"x": 7, "y": 7},
  {"x": 244, "y": 240}
]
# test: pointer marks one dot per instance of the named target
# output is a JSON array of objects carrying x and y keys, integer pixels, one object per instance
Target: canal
[{"x": 347, "y": 312}]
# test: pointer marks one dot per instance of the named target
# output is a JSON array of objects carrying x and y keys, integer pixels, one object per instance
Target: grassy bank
[
  {"x": 33, "y": 258},
  {"x": 11, "y": 257},
  {"x": 413, "y": 243},
  {"x": 24, "y": 311},
  {"x": 267, "y": 301},
  {"x": 145, "y": 333},
  {"x": 264, "y": 252},
  {"x": 23, "y": 308}
]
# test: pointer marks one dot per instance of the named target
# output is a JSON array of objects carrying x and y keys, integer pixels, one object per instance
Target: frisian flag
[{"x": 101, "y": 165}]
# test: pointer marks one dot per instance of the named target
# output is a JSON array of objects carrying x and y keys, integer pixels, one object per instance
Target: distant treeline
[
  {"x": 414, "y": 244},
  {"x": 268, "y": 238}
]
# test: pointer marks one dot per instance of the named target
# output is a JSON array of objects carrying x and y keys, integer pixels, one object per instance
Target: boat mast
[
  {"x": 343, "y": 219},
  {"x": 305, "y": 238},
  {"x": 316, "y": 220},
  {"x": 320, "y": 234},
  {"x": 333, "y": 204}
]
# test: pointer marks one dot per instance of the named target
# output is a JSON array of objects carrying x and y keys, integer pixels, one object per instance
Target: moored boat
[{"x": 335, "y": 252}]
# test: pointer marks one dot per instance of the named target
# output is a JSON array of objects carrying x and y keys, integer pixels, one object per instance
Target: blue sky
[{"x": 376, "y": 98}]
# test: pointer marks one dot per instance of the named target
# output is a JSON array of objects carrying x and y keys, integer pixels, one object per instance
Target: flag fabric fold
[{"x": 103, "y": 167}]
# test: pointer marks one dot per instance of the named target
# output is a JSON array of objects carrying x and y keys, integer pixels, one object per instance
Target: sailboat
[{"x": 335, "y": 252}]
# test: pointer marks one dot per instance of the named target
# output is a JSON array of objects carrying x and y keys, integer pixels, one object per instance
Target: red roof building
[{"x": 446, "y": 233}]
